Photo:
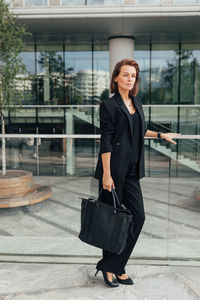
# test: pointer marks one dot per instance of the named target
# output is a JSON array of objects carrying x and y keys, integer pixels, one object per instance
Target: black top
[{"x": 136, "y": 138}]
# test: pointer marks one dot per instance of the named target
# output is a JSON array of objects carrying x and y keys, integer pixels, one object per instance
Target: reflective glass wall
[
  {"x": 73, "y": 73},
  {"x": 76, "y": 75},
  {"x": 65, "y": 74},
  {"x": 66, "y": 82},
  {"x": 47, "y": 231},
  {"x": 169, "y": 73}
]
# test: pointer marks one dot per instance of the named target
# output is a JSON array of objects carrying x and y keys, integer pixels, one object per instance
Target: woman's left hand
[{"x": 169, "y": 136}]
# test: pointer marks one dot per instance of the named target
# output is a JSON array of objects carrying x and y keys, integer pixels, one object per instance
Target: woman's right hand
[{"x": 108, "y": 182}]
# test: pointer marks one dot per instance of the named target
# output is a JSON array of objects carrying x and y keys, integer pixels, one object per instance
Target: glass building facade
[
  {"x": 71, "y": 79},
  {"x": 67, "y": 78},
  {"x": 79, "y": 73}
]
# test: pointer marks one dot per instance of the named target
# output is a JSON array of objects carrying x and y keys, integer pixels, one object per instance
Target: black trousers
[{"x": 130, "y": 194}]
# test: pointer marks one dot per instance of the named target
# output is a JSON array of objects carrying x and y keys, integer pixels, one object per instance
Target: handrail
[
  {"x": 80, "y": 136},
  {"x": 97, "y": 105},
  {"x": 122, "y": 3},
  {"x": 165, "y": 127}
]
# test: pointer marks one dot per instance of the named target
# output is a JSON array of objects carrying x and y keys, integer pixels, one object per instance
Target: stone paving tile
[{"x": 69, "y": 282}]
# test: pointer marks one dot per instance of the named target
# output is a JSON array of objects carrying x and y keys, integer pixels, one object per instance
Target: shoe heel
[
  {"x": 109, "y": 283},
  {"x": 96, "y": 272}
]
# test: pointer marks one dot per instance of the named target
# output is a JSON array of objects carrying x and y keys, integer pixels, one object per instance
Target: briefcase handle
[{"x": 114, "y": 196}]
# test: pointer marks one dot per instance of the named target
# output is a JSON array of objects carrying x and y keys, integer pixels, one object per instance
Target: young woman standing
[{"x": 121, "y": 159}]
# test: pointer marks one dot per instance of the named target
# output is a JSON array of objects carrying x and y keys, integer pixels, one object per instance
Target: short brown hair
[{"x": 117, "y": 69}]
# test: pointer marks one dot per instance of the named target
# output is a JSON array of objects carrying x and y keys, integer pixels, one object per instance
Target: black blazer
[{"x": 116, "y": 137}]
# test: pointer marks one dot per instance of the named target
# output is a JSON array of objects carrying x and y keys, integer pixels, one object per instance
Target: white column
[{"x": 120, "y": 47}]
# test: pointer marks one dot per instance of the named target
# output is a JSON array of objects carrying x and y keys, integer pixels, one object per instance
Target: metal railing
[
  {"x": 59, "y": 3},
  {"x": 52, "y": 119},
  {"x": 76, "y": 154}
]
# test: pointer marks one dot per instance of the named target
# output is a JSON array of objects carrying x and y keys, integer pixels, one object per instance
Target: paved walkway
[
  {"x": 54, "y": 264},
  {"x": 69, "y": 282}
]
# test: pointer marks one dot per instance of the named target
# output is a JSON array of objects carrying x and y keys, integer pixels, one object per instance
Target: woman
[{"x": 121, "y": 159}]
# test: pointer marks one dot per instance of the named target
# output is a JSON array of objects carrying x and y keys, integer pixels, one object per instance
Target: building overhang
[{"x": 170, "y": 23}]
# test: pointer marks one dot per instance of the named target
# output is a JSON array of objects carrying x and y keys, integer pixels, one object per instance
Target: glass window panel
[
  {"x": 73, "y": 2},
  {"x": 190, "y": 120},
  {"x": 187, "y": 76},
  {"x": 28, "y": 59},
  {"x": 101, "y": 73},
  {"x": 25, "y": 93},
  {"x": 50, "y": 75},
  {"x": 36, "y": 2},
  {"x": 164, "y": 74},
  {"x": 148, "y": 2},
  {"x": 174, "y": 206},
  {"x": 25, "y": 118},
  {"x": 78, "y": 74},
  {"x": 104, "y": 2},
  {"x": 186, "y": 1},
  {"x": 190, "y": 74},
  {"x": 142, "y": 56}
]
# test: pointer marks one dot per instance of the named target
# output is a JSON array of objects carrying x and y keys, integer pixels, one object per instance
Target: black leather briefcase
[{"x": 105, "y": 226}]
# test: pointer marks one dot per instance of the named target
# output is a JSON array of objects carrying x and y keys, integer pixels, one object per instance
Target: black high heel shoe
[
  {"x": 109, "y": 283},
  {"x": 127, "y": 281}
]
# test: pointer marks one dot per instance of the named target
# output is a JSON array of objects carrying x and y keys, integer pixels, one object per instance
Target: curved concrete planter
[{"x": 17, "y": 188}]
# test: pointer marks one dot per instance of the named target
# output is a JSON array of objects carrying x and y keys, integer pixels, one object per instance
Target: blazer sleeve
[{"x": 106, "y": 129}]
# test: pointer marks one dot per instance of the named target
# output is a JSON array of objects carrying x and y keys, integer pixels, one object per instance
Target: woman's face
[{"x": 126, "y": 78}]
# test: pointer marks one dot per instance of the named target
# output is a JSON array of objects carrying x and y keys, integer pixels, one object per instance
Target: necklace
[{"x": 128, "y": 103}]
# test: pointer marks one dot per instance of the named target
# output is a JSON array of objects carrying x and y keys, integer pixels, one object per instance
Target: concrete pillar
[{"x": 120, "y": 47}]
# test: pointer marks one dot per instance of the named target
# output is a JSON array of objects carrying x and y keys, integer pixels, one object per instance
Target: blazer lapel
[
  {"x": 123, "y": 107},
  {"x": 140, "y": 111}
]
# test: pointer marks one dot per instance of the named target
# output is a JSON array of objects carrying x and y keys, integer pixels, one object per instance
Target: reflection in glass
[
  {"x": 190, "y": 74},
  {"x": 101, "y": 73},
  {"x": 142, "y": 56},
  {"x": 104, "y": 2},
  {"x": 58, "y": 157},
  {"x": 147, "y": 2},
  {"x": 77, "y": 157},
  {"x": 50, "y": 71},
  {"x": 164, "y": 74},
  {"x": 172, "y": 212},
  {"x": 36, "y": 2},
  {"x": 190, "y": 120},
  {"x": 184, "y": 213},
  {"x": 24, "y": 120},
  {"x": 28, "y": 79},
  {"x": 186, "y": 1},
  {"x": 8, "y": 2},
  {"x": 73, "y": 2},
  {"x": 164, "y": 119},
  {"x": 78, "y": 74}
]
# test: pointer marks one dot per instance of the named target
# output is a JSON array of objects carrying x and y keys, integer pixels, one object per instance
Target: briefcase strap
[{"x": 114, "y": 196}]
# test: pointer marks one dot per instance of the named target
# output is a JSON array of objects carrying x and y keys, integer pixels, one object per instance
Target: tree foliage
[{"x": 11, "y": 44}]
